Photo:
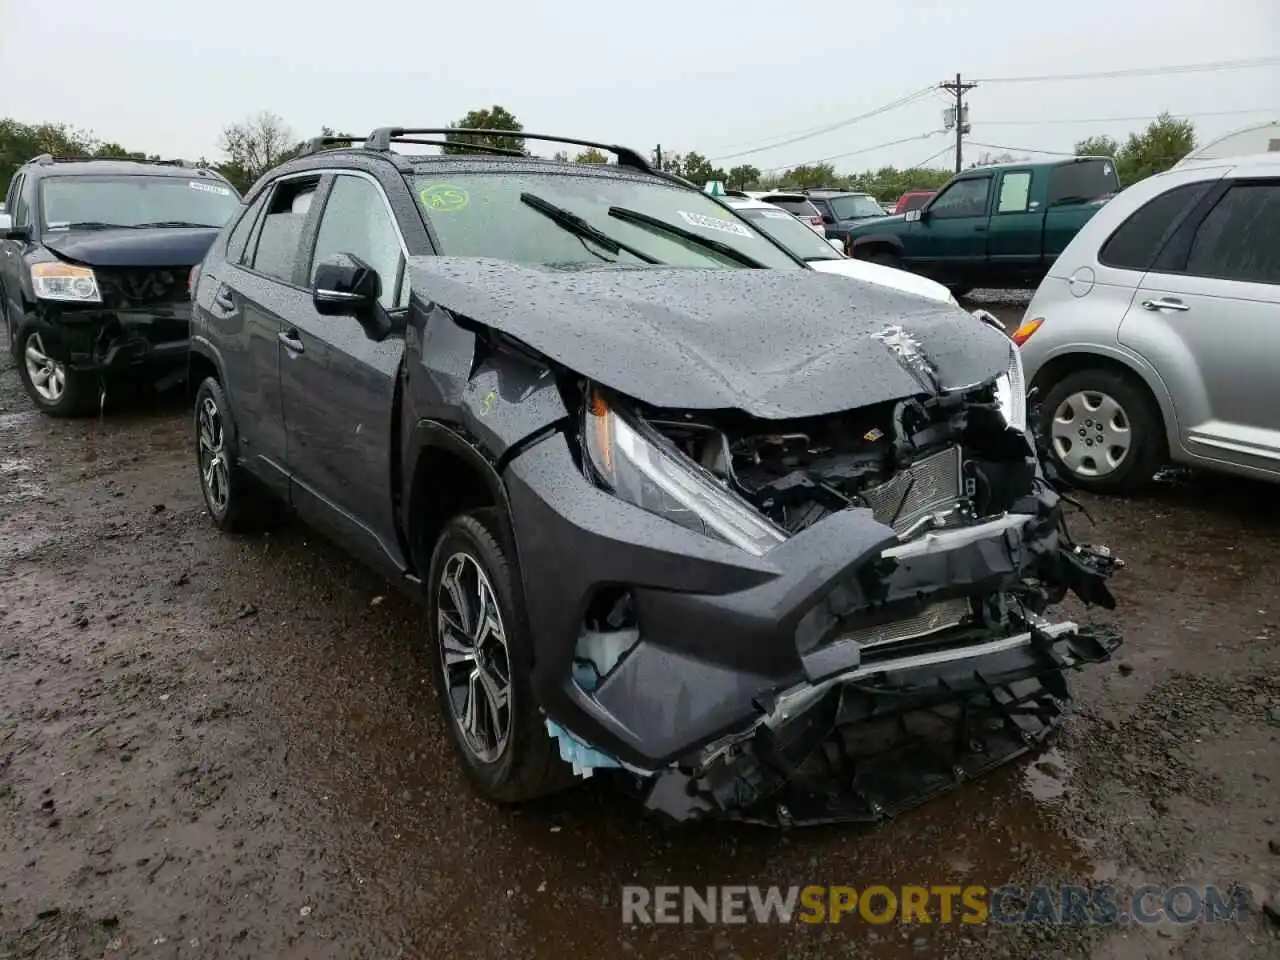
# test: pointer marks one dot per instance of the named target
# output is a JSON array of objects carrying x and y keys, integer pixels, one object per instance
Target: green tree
[
  {"x": 494, "y": 118},
  {"x": 1102, "y": 146},
  {"x": 591, "y": 155},
  {"x": 743, "y": 176},
  {"x": 671, "y": 162},
  {"x": 20, "y": 142},
  {"x": 698, "y": 169},
  {"x": 1156, "y": 149},
  {"x": 1163, "y": 143},
  {"x": 807, "y": 177}
]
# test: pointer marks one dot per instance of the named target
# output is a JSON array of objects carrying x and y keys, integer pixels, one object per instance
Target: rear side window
[
  {"x": 1015, "y": 192},
  {"x": 239, "y": 239},
  {"x": 280, "y": 236},
  {"x": 1082, "y": 182},
  {"x": 1138, "y": 241},
  {"x": 1239, "y": 239}
]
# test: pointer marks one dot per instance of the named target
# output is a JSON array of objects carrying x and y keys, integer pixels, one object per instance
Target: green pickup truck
[{"x": 997, "y": 226}]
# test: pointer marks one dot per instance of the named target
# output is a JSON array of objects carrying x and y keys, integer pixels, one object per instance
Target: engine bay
[{"x": 916, "y": 462}]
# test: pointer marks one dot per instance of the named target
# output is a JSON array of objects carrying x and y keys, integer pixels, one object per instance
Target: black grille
[{"x": 126, "y": 287}]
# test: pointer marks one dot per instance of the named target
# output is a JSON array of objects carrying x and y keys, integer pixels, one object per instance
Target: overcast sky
[{"x": 166, "y": 76}]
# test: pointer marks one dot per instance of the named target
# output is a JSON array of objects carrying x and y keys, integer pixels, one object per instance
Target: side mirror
[
  {"x": 911, "y": 216},
  {"x": 827, "y": 218},
  {"x": 345, "y": 285}
]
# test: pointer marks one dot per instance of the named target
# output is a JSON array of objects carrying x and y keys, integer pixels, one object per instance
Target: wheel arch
[
  {"x": 1090, "y": 357},
  {"x": 875, "y": 241},
  {"x": 203, "y": 361},
  {"x": 446, "y": 473}
]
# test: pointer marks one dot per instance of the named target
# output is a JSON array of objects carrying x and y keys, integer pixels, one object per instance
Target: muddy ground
[{"x": 224, "y": 747}]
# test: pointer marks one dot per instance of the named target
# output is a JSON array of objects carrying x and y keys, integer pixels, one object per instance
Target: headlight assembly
[
  {"x": 1011, "y": 392},
  {"x": 636, "y": 464},
  {"x": 62, "y": 281}
]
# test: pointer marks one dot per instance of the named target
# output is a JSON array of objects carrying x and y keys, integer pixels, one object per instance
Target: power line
[
  {"x": 931, "y": 157},
  {"x": 1142, "y": 71},
  {"x": 892, "y": 105},
  {"x": 1176, "y": 116},
  {"x": 1000, "y": 146},
  {"x": 854, "y": 153}
]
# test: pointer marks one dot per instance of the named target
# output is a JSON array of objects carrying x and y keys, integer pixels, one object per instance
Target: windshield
[
  {"x": 483, "y": 215},
  {"x": 797, "y": 205},
  {"x": 132, "y": 201},
  {"x": 852, "y": 206},
  {"x": 791, "y": 233}
]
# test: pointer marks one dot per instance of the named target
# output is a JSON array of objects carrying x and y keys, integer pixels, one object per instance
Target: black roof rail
[
  {"x": 47, "y": 158},
  {"x": 316, "y": 144},
  {"x": 382, "y": 138}
]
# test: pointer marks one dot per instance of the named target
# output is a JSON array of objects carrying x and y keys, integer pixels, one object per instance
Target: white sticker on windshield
[
  {"x": 776, "y": 215},
  {"x": 714, "y": 223},
  {"x": 209, "y": 188}
]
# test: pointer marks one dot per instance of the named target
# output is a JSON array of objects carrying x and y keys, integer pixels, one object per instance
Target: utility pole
[
  {"x": 961, "y": 120},
  {"x": 658, "y": 153}
]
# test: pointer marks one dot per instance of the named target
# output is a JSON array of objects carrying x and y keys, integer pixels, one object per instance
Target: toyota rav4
[{"x": 754, "y": 540}]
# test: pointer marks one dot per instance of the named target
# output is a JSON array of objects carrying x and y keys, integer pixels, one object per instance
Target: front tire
[
  {"x": 1104, "y": 432},
  {"x": 483, "y": 657},
  {"x": 233, "y": 501},
  {"x": 53, "y": 387}
]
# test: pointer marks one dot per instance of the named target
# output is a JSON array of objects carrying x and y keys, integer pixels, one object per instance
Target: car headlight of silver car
[
  {"x": 1011, "y": 392},
  {"x": 638, "y": 465}
]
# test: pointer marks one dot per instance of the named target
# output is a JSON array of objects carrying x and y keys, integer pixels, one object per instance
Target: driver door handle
[
  {"x": 290, "y": 340},
  {"x": 1165, "y": 303}
]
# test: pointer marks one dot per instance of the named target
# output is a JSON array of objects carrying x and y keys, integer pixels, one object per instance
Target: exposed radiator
[
  {"x": 929, "y": 485},
  {"x": 939, "y": 616}
]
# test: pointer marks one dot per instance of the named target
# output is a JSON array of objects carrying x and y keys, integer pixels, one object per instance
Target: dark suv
[
  {"x": 681, "y": 508},
  {"x": 94, "y": 268},
  {"x": 841, "y": 210}
]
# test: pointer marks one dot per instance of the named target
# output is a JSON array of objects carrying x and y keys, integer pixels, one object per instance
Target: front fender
[{"x": 893, "y": 241}]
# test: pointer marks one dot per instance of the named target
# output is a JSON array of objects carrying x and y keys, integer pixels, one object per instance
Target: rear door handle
[
  {"x": 290, "y": 340},
  {"x": 1165, "y": 303}
]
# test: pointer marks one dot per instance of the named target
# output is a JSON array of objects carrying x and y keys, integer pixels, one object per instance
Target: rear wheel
[
  {"x": 484, "y": 658},
  {"x": 1104, "y": 431},
  {"x": 52, "y": 386},
  {"x": 234, "y": 502}
]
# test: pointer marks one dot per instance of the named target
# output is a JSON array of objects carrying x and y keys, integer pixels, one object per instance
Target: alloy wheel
[
  {"x": 213, "y": 456},
  {"x": 474, "y": 657},
  {"x": 1091, "y": 433},
  {"x": 48, "y": 376}
]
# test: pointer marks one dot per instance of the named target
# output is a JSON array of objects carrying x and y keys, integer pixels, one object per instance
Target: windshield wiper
[
  {"x": 724, "y": 249},
  {"x": 175, "y": 223},
  {"x": 91, "y": 225},
  {"x": 579, "y": 227}
]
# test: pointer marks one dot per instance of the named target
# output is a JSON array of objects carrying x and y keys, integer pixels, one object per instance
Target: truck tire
[
  {"x": 483, "y": 664},
  {"x": 55, "y": 389},
  {"x": 1103, "y": 431}
]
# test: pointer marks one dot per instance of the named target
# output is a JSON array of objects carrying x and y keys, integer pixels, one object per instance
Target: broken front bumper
[
  {"x": 743, "y": 668},
  {"x": 104, "y": 340}
]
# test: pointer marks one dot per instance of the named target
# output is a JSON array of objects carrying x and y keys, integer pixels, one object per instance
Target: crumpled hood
[
  {"x": 158, "y": 247},
  {"x": 776, "y": 344}
]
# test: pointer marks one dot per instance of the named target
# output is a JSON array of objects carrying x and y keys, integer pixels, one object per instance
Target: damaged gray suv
[{"x": 752, "y": 540}]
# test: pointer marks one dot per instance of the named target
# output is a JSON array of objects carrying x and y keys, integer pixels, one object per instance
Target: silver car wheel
[
  {"x": 474, "y": 657},
  {"x": 213, "y": 456},
  {"x": 1091, "y": 434},
  {"x": 48, "y": 376}
]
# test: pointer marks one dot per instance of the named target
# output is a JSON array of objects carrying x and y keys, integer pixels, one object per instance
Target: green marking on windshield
[{"x": 442, "y": 197}]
